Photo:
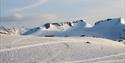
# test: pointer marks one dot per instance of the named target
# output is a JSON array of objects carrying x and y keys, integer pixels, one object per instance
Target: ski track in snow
[
  {"x": 99, "y": 58},
  {"x": 93, "y": 60},
  {"x": 59, "y": 52},
  {"x": 54, "y": 56},
  {"x": 34, "y": 45}
]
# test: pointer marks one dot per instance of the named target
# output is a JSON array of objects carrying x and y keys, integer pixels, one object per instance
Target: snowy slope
[
  {"x": 28, "y": 49},
  {"x": 110, "y": 28}
]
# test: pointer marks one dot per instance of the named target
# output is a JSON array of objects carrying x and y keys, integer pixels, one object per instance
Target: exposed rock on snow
[
  {"x": 9, "y": 31},
  {"x": 104, "y": 29}
]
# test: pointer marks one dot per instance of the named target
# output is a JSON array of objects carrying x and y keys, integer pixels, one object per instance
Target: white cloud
[
  {"x": 14, "y": 17},
  {"x": 18, "y": 16},
  {"x": 40, "y": 2},
  {"x": 47, "y": 17}
]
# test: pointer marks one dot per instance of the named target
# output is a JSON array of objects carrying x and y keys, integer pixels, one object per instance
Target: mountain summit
[{"x": 66, "y": 25}]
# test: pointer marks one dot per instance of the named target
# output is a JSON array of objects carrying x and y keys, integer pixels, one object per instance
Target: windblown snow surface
[{"x": 28, "y": 49}]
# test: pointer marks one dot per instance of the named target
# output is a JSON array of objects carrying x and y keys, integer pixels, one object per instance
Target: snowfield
[{"x": 31, "y": 49}]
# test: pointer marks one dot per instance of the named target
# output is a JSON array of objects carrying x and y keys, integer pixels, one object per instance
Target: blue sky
[{"x": 36, "y": 12}]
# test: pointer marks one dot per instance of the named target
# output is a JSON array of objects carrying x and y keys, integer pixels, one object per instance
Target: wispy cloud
[
  {"x": 47, "y": 17},
  {"x": 18, "y": 15},
  {"x": 40, "y": 2},
  {"x": 14, "y": 17}
]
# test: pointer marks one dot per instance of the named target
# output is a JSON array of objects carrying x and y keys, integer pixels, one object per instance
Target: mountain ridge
[{"x": 112, "y": 28}]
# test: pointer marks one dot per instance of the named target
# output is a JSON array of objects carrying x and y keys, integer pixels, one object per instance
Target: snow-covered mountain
[
  {"x": 110, "y": 28},
  {"x": 9, "y": 31},
  {"x": 80, "y": 24},
  {"x": 113, "y": 28},
  {"x": 59, "y": 29}
]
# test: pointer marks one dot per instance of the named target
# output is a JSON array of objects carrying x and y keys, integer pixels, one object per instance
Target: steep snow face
[
  {"x": 122, "y": 34},
  {"x": 109, "y": 23},
  {"x": 30, "y": 31},
  {"x": 110, "y": 28}
]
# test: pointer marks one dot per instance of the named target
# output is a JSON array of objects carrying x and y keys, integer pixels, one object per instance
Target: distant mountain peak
[
  {"x": 81, "y": 23},
  {"x": 111, "y": 21},
  {"x": 9, "y": 31}
]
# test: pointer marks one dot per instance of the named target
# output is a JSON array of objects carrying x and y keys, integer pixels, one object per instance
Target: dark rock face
[
  {"x": 49, "y": 35},
  {"x": 56, "y": 24},
  {"x": 103, "y": 21},
  {"x": 88, "y": 42},
  {"x": 82, "y": 35},
  {"x": 47, "y": 25},
  {"x": 69, "y": 23},
  {"x": 120, "y": 40},
  {"x": 109, "y": 19}
]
